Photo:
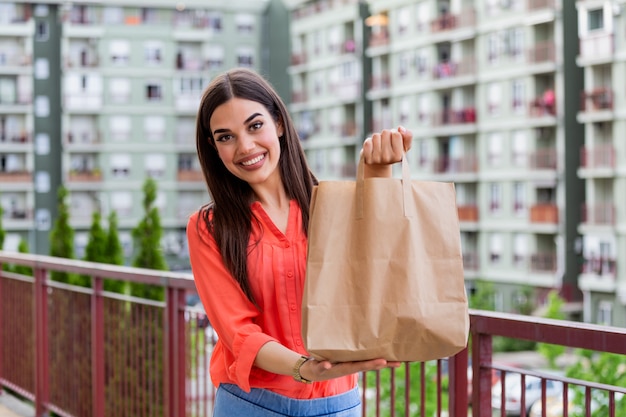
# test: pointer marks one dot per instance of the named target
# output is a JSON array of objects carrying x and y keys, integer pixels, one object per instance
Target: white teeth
[{"x": 253, "y": 161}]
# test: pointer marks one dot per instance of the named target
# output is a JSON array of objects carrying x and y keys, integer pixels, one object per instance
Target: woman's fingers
[
  {"x": 325, "y": 370},
  {"x": 387, "y": 147}
]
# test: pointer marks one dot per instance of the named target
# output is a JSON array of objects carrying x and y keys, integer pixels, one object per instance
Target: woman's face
[{"x": 246, "y": 138}]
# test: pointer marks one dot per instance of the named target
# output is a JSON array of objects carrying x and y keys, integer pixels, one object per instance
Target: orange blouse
[{"x": 276, "y": 268}]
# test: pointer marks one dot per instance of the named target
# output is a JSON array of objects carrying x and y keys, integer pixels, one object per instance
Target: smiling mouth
[{"x": 253, "y": 160}]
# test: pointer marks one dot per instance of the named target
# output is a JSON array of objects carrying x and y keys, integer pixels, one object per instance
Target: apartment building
[
  {"x": 129, "y": 75},
  {"x": 492, "y": 92},
  {"x": 602, "y": 167}
]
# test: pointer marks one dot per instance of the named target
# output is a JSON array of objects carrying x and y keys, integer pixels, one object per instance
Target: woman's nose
[{"x": 246, "y": 143}]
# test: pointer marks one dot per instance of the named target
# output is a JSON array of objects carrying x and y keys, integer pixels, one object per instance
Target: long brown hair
[{"x": 229, "y": 217}]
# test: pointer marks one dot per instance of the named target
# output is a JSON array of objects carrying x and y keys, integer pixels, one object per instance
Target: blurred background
[{"x": 518, "y": 102}]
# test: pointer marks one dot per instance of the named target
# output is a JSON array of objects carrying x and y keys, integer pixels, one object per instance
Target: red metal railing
[{"x": 79, "y": 351}]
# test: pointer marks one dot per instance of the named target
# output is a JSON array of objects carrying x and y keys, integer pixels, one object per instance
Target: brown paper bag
[{"x": 384, "y": 271}]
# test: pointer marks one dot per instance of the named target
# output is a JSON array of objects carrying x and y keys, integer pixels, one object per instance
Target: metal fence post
[
  {"x": 97, "y": 349},
  {"x": 457, "y": 405},
  {"x": 40, "y": 308},
  {"x": 175, "y": 352},
  {"x": 481, "y": 376}
]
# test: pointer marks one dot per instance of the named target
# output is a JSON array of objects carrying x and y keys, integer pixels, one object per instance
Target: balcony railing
[
  {"x": 449, "y": 21},
  {"x": 599, "y": 156},
  {"x": 468, "y": 213},
  {"x": 597, "y": 99},
  {"x": 452, "y": 116},
  {"x": 597, "y": 46},
  {"x": 599, "y": 265},
  {"x": 79, "y": 351},
  {"x": 598, "y": 214},
  {"x": 543, "y": 159},
  {"x": 446, "y": 164},
  {"x": 543, "y": 262},
  {"x": 544, "y": 213}
]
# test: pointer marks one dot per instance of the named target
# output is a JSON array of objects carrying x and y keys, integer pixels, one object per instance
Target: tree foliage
[
  {"x": 22, "y": 269},
  {"x": 2, "y": 232},
  {"x": 62, "y": 238},
  {"x": 114, "y": 254},
  {"x": 147, "y": 238},
  {"x": 554, "y": 311}
]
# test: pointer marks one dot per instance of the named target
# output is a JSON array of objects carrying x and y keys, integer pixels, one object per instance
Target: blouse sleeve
[{"x": 228, "y": 309}]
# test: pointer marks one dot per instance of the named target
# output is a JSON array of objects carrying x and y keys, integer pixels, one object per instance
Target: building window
[
  {"x": 245, "y": 24},
  {"x": 119, "y": 52},
  {"x": 517, "y": 91},
  {"x": 495, "y": 248},
  {"x": 154, "y": 92},
  {"x": 605, "y": 313},
  {"x": 43, "y": 32},
  {"x": 120, "y": 128},
  {"x": 113, "y": 15},
  {"x": 520, "y": 250},
  {"x": 495, "y": 149},
  {"x": 120, "y": 165},
  {"x": 122, "y": 202},
  {"x": 214, "y": 20},
  {"x": 215, "y": 57},
  {"x": 595, "y": 19},
  {"x": 494, "y": 97},
  {"x": 495, "y": 198},
  {"x": 119, "y": 90},
  {"x": 153, "y": 52},
  {"x": 154, "y": 128},
  {"x": 245, "y": 57},
  {"x": 519, "y": 198},
  {"x": 155, "y": 165}
]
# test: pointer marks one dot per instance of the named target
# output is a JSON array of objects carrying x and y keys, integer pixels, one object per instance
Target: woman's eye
[
  {"x": 256, "y": 125},
  {"x": 224, "y": 138}
]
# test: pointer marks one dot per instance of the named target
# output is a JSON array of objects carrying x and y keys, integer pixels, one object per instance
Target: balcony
[
  {"x": 540, "y": 4},
  {"x": 544, "y": 213},
  {"x": 380, "y": 38},
  {"x": 468, "y": 213},
  {"x": 94, "y": 175},
  {"x": 298, "y": 59},
  {"x": 452, "y": 117},
  {"x": 84, "y": 351},
  {"x": 594, "y": 47},
  {"x": 541, "y": 52},
  {"x": 445, "y": 164},
  {"x": 470, "y": 261},
  {"x": 451, "y": 69},
  {"x": 380, "y": 82},
  {"x": 543, "y": 106},
  {"x": 543, "y": 262},
  {"x": 598, "y": 156},
  {"x": 601, "y": 266},
  {"x": 298, "y": 97},
  {"x": 189, "y": 175},
  {"x": 597, "y": 99},
  {"x": 449, "y": 21},
  {"x": 16, "y": 176},
  {"x": 543, "y": 159},
  {"x": 599, "y": 214}
]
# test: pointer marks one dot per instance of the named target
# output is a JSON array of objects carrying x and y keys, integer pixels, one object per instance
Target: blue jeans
[{"x": 232, "y": 401}]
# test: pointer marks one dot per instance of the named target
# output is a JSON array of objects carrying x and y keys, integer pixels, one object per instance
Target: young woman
[{"x": 248, "y": 253}]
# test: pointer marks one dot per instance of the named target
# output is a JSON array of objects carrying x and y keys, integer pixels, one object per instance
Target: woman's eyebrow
[{"x": 216, "y": 131}]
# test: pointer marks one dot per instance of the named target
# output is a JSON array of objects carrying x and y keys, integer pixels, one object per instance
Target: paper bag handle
[{"x": 406, "y": 187}]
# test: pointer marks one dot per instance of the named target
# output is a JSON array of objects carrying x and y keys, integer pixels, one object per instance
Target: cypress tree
[
  {"x": 62, "y": 238},
  {"x": 147, "y": 248},
  {"x": 114, "y": 254},
  {"x": 96, "y": 243},
  {"x": 22, "y": 269}
]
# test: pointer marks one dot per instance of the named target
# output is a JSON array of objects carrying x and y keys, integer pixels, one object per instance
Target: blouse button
[
  {"x": 298, "y": 342},
  {"x": 290, "y": 274},
  {"x": 287, "y": 245},
  {"x": 292, "y": 307}
]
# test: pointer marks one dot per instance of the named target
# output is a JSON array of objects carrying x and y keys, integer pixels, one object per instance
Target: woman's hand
[
  {"x": 315, "y": 370},
  {"x": 384, "y": 149}
]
